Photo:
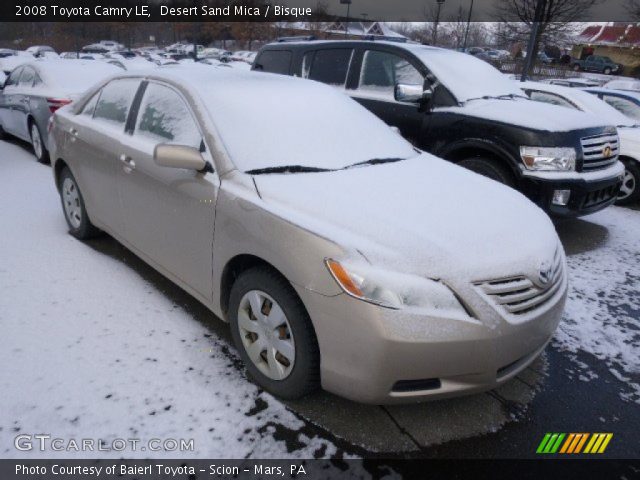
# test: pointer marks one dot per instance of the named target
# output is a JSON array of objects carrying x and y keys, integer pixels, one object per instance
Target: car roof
[{"x": 619, "y": 93}]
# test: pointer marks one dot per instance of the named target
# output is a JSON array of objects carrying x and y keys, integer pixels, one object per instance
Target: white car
[{"x": 628, "y": 129}]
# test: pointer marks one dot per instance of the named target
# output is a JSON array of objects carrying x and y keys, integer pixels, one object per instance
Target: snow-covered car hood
[
  {"x": 529, "y": 114},
  {"x": 423, "y": 216}
]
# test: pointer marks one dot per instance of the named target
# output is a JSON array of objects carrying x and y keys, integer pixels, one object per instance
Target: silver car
[
  {"x": 341, "y": 256},
  {"x": 36, "y": 89}
]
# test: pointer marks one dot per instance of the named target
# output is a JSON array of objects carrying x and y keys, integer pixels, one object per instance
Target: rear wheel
[
  {"x": 489, "y": 168},
  {"x": 38, "y": 145},
  {"x": 607, "y": 71},
  {"x": 75, "y": 212},
  {"x": 630, "y": 190},
  {"x": 576, "y": 68},
  {"x": 273, "y": 334}
]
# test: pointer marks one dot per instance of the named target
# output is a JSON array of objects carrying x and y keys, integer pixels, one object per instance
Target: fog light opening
[
  {"x": 416, "y": 385},
  {"x": 561, "y": 197}
]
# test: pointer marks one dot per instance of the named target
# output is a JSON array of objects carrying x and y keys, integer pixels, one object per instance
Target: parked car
[
  {"x": 384, "y": 299},
  {"x": 35, "y": 90},
  {"x": 8, "y": 64},
  {"x": 628, "y": 130},
  {"x": 70, "y": 55},
  {"x": 623, "y": 84},
  {"x": 7, "y": 52},
  {"x": 103, "y": 46},
  {"x": 572, "y": 82},
  {"x": 598, "y": 64},
  {"x": 466, "y": 111},
  {"x": 40, "y": 50},
  {"x": 626, "y": 102}
]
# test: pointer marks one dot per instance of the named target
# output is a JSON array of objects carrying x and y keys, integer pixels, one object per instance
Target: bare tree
[
  {"x": 633, "y": 7},
  {"x": 555, "y": 20}
]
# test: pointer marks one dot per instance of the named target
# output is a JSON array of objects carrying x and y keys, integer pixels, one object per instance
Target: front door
[
  {"x": 168, "y": 213},
  {"x": 379, "y": 72}
]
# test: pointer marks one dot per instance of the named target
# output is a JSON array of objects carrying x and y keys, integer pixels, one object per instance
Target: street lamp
[
  {"x": 435, "y": 28},
  {"x": 346, "y": 26}
]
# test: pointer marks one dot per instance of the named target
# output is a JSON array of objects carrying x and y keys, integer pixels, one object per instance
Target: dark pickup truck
[
  {"x": 464, "y": 110},
  {"x": 598, "y": 64}
]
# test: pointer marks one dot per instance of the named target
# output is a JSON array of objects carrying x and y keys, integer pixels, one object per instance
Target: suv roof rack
[{"x": 301, "y": 38}]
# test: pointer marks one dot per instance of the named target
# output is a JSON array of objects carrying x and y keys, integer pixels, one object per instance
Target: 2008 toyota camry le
[{"x": 341, "y": 256}]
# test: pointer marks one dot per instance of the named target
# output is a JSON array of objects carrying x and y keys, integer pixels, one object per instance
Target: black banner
[
  {"x": 318, "y": 469},
  {"x": 311, "y": 10}
]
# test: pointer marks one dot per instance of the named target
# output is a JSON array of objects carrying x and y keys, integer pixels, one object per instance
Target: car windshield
[
  {"x": 279, "y": 123},
  {"x": 465, "y": 76}
]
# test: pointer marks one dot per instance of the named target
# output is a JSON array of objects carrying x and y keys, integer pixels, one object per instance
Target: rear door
[
  {"x": 21, "y": 102},
  {"x": 95, "y": 144},
  {"x": 169, "y": 213}
]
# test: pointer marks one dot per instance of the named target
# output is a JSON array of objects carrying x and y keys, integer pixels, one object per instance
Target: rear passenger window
[
  {"x": 381, "y": 71},
  {"x": 115, "y": 100},
  {"x": 90, "y": 106},
  {"x": 165, "y": 118},
  {"x": 275, "y": 61},
  {"x": 331, "y": 66}
]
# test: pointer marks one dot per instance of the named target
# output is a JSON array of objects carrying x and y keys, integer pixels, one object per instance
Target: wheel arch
[
  {"x": 462, "y": 150},
  {"x": 58, "y": 166},
  {"x": 234, "y": 268}
]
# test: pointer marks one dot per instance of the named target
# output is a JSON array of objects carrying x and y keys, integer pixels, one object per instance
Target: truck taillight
[{"x": 56, "y": 103}]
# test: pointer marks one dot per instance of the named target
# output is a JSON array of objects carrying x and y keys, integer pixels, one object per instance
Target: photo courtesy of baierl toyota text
[{"x": 319, "y": 239}]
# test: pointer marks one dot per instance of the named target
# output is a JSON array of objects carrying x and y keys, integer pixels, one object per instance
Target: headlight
[
  {"x": 549, "y": 158},
  {"x": 396, "y": 290}
]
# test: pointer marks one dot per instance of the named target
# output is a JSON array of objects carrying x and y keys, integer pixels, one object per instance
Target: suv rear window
[
  {"x": 274, "y": 61},
  {"x": 331, "y": 66}
]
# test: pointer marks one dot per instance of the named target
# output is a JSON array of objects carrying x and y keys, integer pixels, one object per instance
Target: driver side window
[
  {"x": 165, "y": 118},
  {"x": 381, "y": 71}
]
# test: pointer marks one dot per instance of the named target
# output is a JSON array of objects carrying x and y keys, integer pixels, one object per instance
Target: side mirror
[
  {"x": 179, "y": 156},
  {"x": 412, "y": 93}
]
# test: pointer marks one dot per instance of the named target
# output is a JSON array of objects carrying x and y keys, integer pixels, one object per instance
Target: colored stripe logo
[{"x": 573, "y": 443}]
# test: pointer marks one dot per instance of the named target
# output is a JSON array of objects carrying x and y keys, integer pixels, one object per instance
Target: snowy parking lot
[{"x": 95, "y": 344}]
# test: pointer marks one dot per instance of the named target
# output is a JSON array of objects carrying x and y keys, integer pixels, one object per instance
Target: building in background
[{"x": 618, "y": 41}]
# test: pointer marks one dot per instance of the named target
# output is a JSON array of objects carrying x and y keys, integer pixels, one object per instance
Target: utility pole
[
  {"x": 532, "y": 46},
  {"x": 346, "y": 25},
  {"x": 466, "y": 32},
  {"x": 435, "y": 28}
]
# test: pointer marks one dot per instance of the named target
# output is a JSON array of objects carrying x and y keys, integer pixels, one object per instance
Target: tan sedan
[{"x": 341, "y": 256}]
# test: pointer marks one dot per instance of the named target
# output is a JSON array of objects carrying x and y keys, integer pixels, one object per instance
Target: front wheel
[
  {"x": 273, "y": 334},
  {"x": 489, "y": 168},
  {"x": 607, "y": 71},
  {"x": 74, "y": 209},
  {"x": 576, "y": 68},
  {"x": 630, "y": 189},
  {"x": 38, "y": 145}
]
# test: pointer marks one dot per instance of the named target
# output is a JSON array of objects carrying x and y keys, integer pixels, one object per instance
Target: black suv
[{"x": 464, "y": 110}]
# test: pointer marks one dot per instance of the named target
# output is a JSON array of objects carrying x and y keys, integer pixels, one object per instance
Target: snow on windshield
[
  {"x": 269, "y": 121},
  {"x": 465, "y": 76}
]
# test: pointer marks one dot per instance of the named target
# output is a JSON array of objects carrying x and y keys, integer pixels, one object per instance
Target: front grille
[
  {"x": 599, "y": 151},
  {"x": 520, "y": 295},
  {"x": 598, "y": 197}
]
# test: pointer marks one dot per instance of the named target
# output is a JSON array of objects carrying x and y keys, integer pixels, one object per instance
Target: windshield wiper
[
  {"x": 374, "y": 161},
  {"x": 286, "y": 169}
]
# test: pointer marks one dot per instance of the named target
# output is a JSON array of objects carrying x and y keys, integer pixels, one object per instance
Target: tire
[
  {"x": 607, "y": 71},
  {"x": 73, "y": 208},
  {"x": 489, "y": 168},
  {"x": 3, "y": 134},
  {"x": 37, "y": 143},
  {"x": 288, "y": 378},
  {"x": 630, "y": 190},
  {"x": 576, "y": 68}
]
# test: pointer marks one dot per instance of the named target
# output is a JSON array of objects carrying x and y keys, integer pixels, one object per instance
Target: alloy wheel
[
  {"x": 628, "y": 185},
  {"x": 71, "y": 202},
  {"x": 266, "y": 335}
]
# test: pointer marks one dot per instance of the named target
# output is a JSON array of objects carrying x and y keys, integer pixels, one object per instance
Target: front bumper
[
  {"x": 375, "y": 355},
  {"x": 589, "y": 193}
]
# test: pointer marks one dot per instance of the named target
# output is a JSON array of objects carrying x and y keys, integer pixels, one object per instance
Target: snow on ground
[
  {"x": 602, "y": 315},
  {"x": 90, "y": 349}
]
